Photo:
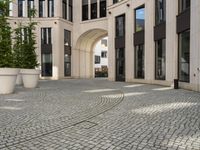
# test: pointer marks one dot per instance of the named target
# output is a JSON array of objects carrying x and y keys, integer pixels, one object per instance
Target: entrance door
[{"x": 120, "y": 64}]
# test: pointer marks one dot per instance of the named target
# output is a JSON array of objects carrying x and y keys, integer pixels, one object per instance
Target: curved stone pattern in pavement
[
  {"x": 90, "y": 115},
  {"x": 36, "y": 122}
]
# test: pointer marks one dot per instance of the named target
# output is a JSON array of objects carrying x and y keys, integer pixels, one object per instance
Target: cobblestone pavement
[{"x": 99, "y": 115}]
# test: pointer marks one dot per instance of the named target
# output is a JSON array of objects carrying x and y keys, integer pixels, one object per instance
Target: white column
[
  {"x": 195, "y": 45},
  {"x": 171, "y": 40},
  {"x": 46, "y": 8},
  {"x": 89, "y": 9},
  {"x": 98, "y": 8}
]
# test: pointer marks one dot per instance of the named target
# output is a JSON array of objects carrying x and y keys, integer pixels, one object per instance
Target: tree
[{"x": 6, "y": 55}]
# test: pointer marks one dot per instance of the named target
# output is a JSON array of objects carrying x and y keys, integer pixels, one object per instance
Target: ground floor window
[
  {"x": 67, "y": 65},
  {"x": 120, "y": 64},
  {"x": 139, "y": 61},
  {"x": 160, "y": 59},
  {"x": 47, "y": 65},
  {"x": 184, "y": 56}
]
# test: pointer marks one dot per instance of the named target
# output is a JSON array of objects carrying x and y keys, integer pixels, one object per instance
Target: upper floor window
[
  {"x": 93, "y": 9},
  {"x": 67, "y": 9},
  {"x": 21, "y": 8},
  {"x": 46, "y": 36},
  {"x": 139, "y": 19},
  {"x": 70, "y": 10},
  {"x": 85, "y": 10},
  {"x": 116, "y": 1},
  {"x": 30, "y": 6},
  {"x": 50, "y": 8},
  {"x": 183, "y": 5},
  {"x": 103, "y": 8},
  {"x": 160, "y": 11},
  {"x": 41, "y": 8},
  {"x": 104, "y": 54},
  {"x": 120, "y": 26}
]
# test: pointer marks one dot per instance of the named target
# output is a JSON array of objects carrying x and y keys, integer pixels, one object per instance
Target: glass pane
[
  {"x": 140, "y": 19},
  {"x": 47, "y": 65},
  {"x": 120, "y": 26},
  {"x": 84, "y": 10},
  {"x": 160, "y": 60},
  {"x": 184, "y": 56},
  {"x": 160, "y": 11},
  {"x": 139, "y": 61}
]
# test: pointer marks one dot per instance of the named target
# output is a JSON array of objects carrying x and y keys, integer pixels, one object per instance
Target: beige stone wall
[{"x": 86, "y": 34}]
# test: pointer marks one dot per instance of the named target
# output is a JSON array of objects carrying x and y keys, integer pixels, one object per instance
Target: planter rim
[
  {"x": 9, "y": 71},
  {"x": 30, "y": 71}
]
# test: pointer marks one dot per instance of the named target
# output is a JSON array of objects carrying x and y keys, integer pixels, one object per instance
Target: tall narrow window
[
  {"x": 139, "y": 19},
  {"x": 120, "y": 26},
  {"x": 183, "y": 5},
  {"x": 85, "y": 10},
  {"x": 160, "y": 11},
  {"x": 46, "y": 36},
  {"x": 70, "y": 10},
  {"x": 41, "y": 8},
  {"x": 103, "y": 8},
  {"x": 21, "y": 8},
  {"x": 139, "y": 61},
  {"x": 64, "y": 11},
  {"x": 93, "y": 9},
  {"x": 46, "y": 52},
  {"x": 67, "y": 53},
  {"x": 30, "y": 6},
  {"x": 160, "y": 60},
  {"x": 50, "y": 8},
  {"x": 184, "y": 56},
  {"x": 116, "y": 1}
]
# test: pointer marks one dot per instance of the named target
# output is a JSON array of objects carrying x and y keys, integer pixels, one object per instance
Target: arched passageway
[{"x": 83, "y": 52}]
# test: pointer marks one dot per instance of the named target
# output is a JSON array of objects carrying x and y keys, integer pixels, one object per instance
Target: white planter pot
[
  {"x": 30, "y": 77},
  {"x": 7, "y": 80},
  {"x": 19, "y": 79}
]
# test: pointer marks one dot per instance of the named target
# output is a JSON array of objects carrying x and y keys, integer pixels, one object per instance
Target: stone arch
[{"x": 83, "y": 59}]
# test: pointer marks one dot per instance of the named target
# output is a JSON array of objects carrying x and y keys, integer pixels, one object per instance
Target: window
[
  {"x": 116, "y": 1},
  {"x": 46, "y": 36},
  {"x": 97, "y": 59},
  {"x": 139, "y": 19},
  {"x": 120, "y": 26},
  {"x": 21, "y": 8},
  {"x": 46, "y": 64},
  {"x": 30, "y": 6},
  {"x": 104, "y": 42},
  {"x": 139, "y": 61},
  {"x": 160, "y": 60},
  {"x": 64, "y": 11},
  {"x": 41, "y": 8},
  {"x": 104, "y": 54},
  {"x": 183, "y": 5},
  {"x": 70, "y": 10},
  {"x": 85, "y": 10},
  {"x": 50, "y": 8},
  {"x": 184, "y": 56},
  {"x": 102, "y": 8},
  {"x": 93, "y": 9},
  {"x": 67, "y": 53},
  {"x": 160, "y": 11}
]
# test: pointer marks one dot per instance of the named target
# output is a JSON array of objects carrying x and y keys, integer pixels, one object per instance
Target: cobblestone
[{"x": 99, "y": 115}]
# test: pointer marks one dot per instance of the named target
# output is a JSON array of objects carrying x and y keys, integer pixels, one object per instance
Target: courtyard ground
[{"x": 99, "y": 115}]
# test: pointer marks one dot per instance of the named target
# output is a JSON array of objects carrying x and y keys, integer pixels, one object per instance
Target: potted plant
[
  {"x": 18, "y": 51},
  {"x": 8, "y": 74},
  {"x": 30, "y": 75}
]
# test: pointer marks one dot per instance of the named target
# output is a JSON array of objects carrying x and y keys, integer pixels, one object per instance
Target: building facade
[{"x": 150, "y": 41}]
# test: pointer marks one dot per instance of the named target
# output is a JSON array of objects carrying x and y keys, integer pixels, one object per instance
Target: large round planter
[
  {"x": 7, "y": 80},
  {"x": 30, "y": 77},
  {"x": 19, "y": 79}
]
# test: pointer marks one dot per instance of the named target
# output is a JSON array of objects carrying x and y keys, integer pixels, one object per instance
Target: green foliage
[
  {"x": 6, "y": 55},
  {"x": 25, "y": 41}
]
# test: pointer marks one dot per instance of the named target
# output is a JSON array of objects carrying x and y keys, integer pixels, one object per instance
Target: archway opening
[
  {"x": 101, "y": 58},
  {"x": 84, "y": 52}
]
